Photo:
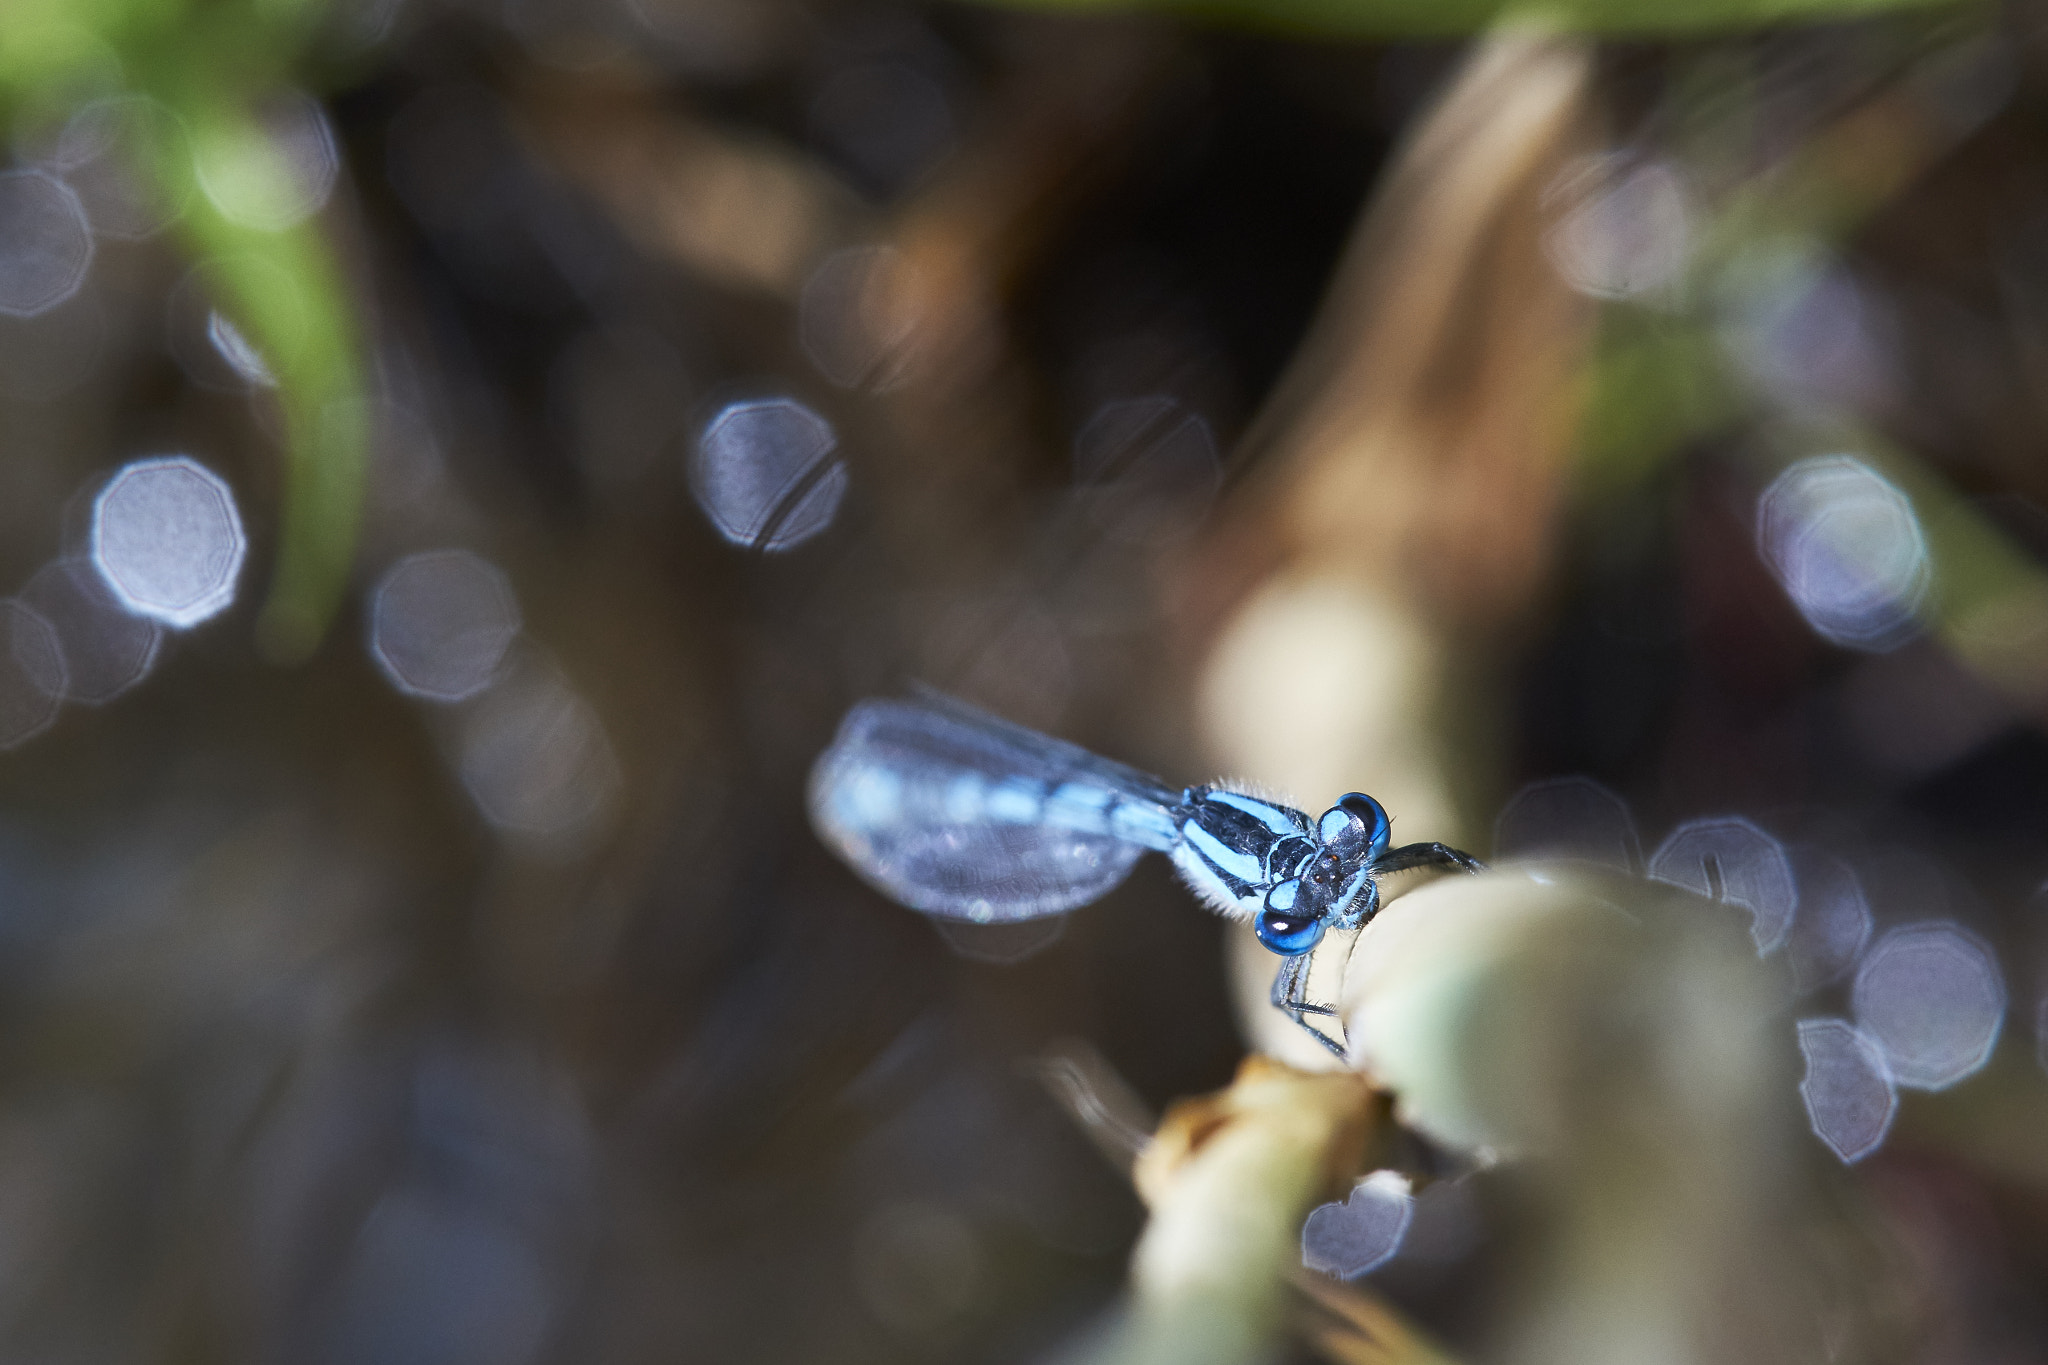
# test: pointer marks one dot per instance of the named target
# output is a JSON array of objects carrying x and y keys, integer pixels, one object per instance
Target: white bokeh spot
[
  {"x": 45, "y": 243},
  {"x": 440, "y": 623},
  {"x": 168, "y": 540},
  {"x": 1848, "y": 549},
  {"x": 1847, "y": 1088}
]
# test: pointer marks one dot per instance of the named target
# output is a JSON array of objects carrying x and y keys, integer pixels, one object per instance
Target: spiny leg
[
  {"x": 1289, "y": 996},
  {"x": 1290, "y": 983},
  {"x": 1425, "y": 855}
]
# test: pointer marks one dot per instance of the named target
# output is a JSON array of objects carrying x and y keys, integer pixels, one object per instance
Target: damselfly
[{"x": 962, "y": 815}]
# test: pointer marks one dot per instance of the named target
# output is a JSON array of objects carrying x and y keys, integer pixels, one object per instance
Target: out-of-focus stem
[
  {"x": 1229, "y": 1178},
  {"x": 1626, "y": 1047},
  {"x": 309, "y": 336},
  {"x": 1404, "y": 480}
]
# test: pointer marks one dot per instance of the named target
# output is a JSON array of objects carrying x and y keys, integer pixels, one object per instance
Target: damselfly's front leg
[
  {"x": 1290, "y": 997},
  {"x": 1425, "y": 855}
]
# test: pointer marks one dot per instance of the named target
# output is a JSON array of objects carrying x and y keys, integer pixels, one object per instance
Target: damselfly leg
[
  {"x": 1425, "y": 855},
  {"x": 1290, "y": 997}
]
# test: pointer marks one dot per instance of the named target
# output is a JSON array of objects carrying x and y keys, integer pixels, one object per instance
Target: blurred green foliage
[
  {"x": 213, "y": 65},
  {"x": 1660, "y": 380}
]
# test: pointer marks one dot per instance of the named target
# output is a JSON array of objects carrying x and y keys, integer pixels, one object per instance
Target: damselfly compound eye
[
  {"x": 1288, "y": 933},
  {"x": 1356, "y": 825}
]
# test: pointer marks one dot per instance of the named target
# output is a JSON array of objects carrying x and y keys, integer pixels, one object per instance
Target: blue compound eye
[
  {"x": 1356, "y": 825},
  {"x": 1284, "y": 929}
]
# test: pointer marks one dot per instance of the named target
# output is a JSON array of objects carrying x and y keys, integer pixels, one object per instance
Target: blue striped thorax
[{"x": 1260, "y": 860}]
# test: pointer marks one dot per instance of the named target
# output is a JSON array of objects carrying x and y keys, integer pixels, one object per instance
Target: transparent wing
[{"x": 956, "y": 813}]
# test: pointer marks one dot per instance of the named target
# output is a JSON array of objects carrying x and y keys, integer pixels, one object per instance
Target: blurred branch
[
  {"x": 1402, "y": 483},
  {"x": 1408, "y": 18},
  {"x": 1286, "y": 1122},
  {"x": 741, "y": 210},
  {"x": 1353, "y": 1326},
  {"x": 1096, "y": 1098},
  {"x": 1418, "y": 439},
  {"x": 1229, "y": 1178},
  {"x": 957, "y": 421},
  {"x": 962, "y": 430}
]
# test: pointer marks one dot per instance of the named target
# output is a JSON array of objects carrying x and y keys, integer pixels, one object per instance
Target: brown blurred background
[{"x": 436, "y": 965}]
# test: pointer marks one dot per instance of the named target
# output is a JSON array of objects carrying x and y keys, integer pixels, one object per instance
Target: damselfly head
[{"x": 1325, "y": 888}]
